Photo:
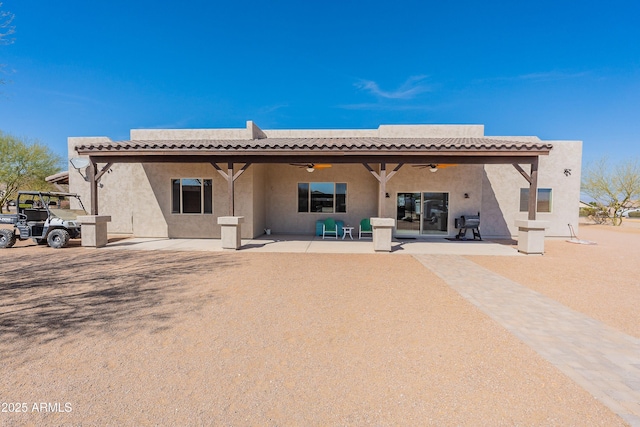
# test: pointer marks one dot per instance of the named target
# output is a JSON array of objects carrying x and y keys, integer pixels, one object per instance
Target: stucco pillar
[
  {"x": 230, "y": 231},
  {"x": 93, "y": 229},
  {"x": 531, "y": 236},
  {"x": 382, "y": 233}
]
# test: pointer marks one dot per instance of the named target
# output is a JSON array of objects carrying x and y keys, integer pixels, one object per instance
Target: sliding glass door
[
  {"x": 408, "y": 216},
  {"x": 422, "y": 213}
]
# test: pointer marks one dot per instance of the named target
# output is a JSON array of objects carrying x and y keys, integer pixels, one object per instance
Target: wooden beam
[
  {"x": 343, "y": 158},
  {"x": 230, "y": 177},
  {"x": 533, "y": 191},
  {"x": 93, "y": 186},
  {"x": 393, "y": 172},
  {"x": 220, "y": 171},
  {"x": 241, "y": 171},
  {"x": 522, "y": 172},
  {"x": 103, "y": 171},
  {"x": 230, "y": 188},
  {"x": 382, "y": 187},
  {"x": 370, "y": 169},
  {"x": 383, "y": 177}
]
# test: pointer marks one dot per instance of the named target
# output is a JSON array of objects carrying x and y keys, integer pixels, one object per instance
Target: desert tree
[
  {"x": 24, "y": 164},
  {"x": 613, "y": 188}
]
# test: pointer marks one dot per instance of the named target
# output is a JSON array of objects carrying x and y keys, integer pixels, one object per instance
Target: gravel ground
[{"x": 167, "y": 338}]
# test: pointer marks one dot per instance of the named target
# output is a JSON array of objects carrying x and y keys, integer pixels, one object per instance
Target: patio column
[
  {"x": 93, "y": 230},
  {"x": 382, "y": 233},
  {"x": 531, "y": 232},
  {"x": 231, "y": 230}
]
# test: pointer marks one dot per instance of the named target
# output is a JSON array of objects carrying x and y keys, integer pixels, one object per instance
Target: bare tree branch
[
  {"x": 6, "y": 27},
  {"x": 6, "y": 30}
]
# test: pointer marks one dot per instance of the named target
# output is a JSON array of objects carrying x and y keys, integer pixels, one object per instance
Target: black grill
[{"x": 468, "y": 222}]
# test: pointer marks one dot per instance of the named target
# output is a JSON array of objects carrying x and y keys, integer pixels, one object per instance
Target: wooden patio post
[
  {"x": 382, "y": 186},
  {"x": 230, "y": 188},
  {"x": 231, "y": 178},
  {"x": 382, "y": 178},
  {"x": 93, "y": 185},
  {"x": 533, "y": 190}
]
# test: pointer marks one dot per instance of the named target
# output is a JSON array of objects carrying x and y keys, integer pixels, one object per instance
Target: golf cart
[{"x": 45, "y": 217}]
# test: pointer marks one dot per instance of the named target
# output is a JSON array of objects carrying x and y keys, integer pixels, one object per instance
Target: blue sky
[{"x": 555, "y": 69}]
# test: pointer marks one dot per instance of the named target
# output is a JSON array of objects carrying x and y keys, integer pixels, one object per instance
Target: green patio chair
[
  {"x": 329, "y": 227},
  {"x": 365, "y": 228}
]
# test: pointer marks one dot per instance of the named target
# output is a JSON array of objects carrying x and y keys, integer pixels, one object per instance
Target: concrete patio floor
[{"x": 314, "y": 244}]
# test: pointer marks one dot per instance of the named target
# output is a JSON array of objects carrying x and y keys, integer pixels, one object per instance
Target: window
[
  {"x": 191, "y": 196},
  {"x": 544, "y": 200},
  {"x": 326, "y": 197}
]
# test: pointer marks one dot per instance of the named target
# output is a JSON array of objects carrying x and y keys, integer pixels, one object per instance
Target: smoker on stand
[{"x": 468, "y": 222}]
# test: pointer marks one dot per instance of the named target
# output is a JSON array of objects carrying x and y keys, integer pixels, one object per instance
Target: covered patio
[
  {"x": 315, "y": 244},
  {"x": 255, "y": 190}
]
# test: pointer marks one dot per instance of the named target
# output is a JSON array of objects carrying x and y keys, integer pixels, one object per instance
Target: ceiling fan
[
  {"x": 310, "y": 167},
  {"x": 433, "y": 167}
]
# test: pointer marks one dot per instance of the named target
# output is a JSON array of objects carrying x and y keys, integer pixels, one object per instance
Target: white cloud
[
  {"x": 408, "y": 90},
  {"x": 386, "y": 107},
  {"x": 268, "y": 109},
  {"x": 551, "y": 75},
  {"x": 539, "y": 76}
]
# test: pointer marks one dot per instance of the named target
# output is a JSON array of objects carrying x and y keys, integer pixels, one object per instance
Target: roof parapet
[
  {"x": 253, "y": 131},
  {"x": 194, "y": 134},
  {"x": 431, "y": 131}
]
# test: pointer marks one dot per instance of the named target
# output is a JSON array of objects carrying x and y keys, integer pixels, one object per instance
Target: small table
[{"x": 347, "y": 230}]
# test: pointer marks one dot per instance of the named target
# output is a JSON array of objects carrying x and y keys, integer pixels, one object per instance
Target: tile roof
[
  {"x": 60, "y": 178},
  {"x": 325, "y": 145}
]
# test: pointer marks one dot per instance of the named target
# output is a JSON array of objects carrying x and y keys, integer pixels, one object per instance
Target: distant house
[{"x": 175, "y": 183}]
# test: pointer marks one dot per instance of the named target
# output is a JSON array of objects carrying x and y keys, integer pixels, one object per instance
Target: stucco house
[{"x": 176, "y": 183}]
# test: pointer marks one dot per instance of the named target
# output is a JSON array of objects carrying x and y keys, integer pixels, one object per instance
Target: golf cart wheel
[
  {"x": 58, "y": 238},
  {"x": 7, "y": 238}
]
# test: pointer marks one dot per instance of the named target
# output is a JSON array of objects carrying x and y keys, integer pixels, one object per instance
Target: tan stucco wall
[
  {"x": 196, "y": 225},
  {"x": 502, "y": 184},
  {"x": 362, "y": 193},
  {"x": 259, "y": 199},
  {"x": 282, "y": 196},
  {"x": 138, "y": 198},
  {"x": 455, "y": 180}
]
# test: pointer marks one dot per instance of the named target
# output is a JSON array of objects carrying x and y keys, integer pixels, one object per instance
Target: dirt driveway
[{"x": 166, "y": 338}]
